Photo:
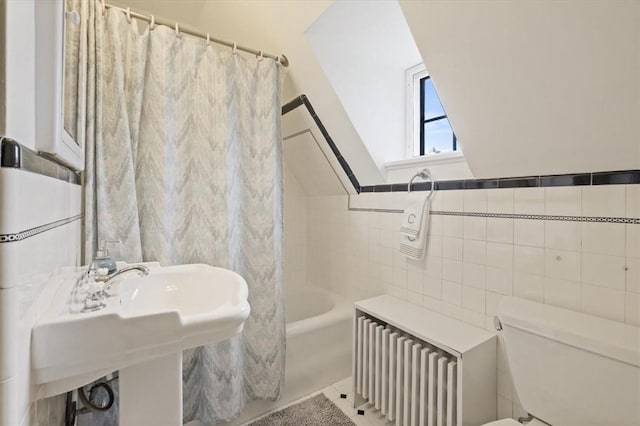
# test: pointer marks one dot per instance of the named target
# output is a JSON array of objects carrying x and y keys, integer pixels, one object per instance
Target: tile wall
[
  {"x": 295, "y": 231},
  {"x": 29, "y": 263},
  {"x": 472, "y": 261}
]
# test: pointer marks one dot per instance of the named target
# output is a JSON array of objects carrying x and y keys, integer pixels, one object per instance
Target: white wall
[
  {"x": 472, "y": 262},
  {"x": 19, "y": 69},
  {"x": 295, "y": 232},
  {"x": 536, "y": 87},
  {"x": 365, "y": 49},
  {"x": 28, "y": 270}
]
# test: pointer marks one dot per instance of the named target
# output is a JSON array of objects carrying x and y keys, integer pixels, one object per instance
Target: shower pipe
[{"x": 180, "y": 29}]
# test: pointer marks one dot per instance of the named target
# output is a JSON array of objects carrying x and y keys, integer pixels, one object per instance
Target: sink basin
[{"x": 171, "y": 309}]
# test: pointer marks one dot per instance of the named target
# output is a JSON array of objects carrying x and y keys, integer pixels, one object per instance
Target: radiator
[{"x": 413, "y": 379}]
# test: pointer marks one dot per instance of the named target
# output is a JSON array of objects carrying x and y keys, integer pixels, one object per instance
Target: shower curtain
[{"x": 184, "y": 165}]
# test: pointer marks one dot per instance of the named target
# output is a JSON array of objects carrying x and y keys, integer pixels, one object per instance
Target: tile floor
[{"x": 371, "y": 417}]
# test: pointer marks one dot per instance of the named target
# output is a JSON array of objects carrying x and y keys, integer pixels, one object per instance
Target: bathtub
[{"x": 318, "y": 353}]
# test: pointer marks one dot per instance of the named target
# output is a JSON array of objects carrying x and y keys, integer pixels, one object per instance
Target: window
[{"x": 428, "y": 128}]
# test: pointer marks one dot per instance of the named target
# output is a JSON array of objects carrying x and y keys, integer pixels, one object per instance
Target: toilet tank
[{"x": 570, "y": 368}]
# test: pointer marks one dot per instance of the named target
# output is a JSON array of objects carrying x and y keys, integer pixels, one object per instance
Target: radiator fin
[{"x": 409, "y": 381}]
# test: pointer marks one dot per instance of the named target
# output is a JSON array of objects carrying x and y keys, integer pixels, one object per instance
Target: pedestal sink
[{"x": 142, "y": 332}]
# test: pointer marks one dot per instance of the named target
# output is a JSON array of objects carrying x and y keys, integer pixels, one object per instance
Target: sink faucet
[
  {"x": 106, "y": 279},
  {"x": 142, "y": 270}
]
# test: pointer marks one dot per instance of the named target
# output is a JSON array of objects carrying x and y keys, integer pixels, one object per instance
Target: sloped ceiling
[
  {"x": 531, "y": 87},
  {"x": 536, "y": 87}
]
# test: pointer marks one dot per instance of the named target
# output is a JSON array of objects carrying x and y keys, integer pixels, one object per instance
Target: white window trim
[
  {"x": 412, "y": 119},
  {"x": 412, "y": 108}
]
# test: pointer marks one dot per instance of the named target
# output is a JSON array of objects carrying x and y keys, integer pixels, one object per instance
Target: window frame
[{"x": 414, "y": 114}]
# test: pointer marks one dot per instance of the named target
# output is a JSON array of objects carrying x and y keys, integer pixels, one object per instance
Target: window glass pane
[
  {"x": 438, "y": 136},
  {"x": 432, "y": 106}
]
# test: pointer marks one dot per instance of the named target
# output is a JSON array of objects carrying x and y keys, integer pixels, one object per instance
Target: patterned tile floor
[{"x": 335, "y": 392}]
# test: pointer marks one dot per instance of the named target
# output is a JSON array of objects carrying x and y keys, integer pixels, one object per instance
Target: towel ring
[{"x": 424, "y": 174}]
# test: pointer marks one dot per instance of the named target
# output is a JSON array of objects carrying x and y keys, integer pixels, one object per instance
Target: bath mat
[{"x": 316, "y": 411}]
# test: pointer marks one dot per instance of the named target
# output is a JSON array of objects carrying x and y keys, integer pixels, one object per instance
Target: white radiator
[{"x": 412, "y": 379}]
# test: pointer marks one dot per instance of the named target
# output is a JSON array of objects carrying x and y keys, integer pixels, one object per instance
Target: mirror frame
[{"x": 51, "y": 137}]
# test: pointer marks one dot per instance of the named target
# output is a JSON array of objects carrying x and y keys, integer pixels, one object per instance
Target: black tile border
[
  {"x": 621, "y": 177},
  {"x": 15, "y": 156},
  {"x": 28, "y": 233},
  {"x": 304, "y": 100}
]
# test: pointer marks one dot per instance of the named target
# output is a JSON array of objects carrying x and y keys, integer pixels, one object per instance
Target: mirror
[
  {"x": 71, "y": 73},
  {"x": 61, "y": 55}
]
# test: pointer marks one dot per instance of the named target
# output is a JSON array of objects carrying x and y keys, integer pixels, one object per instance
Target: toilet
[{"x": 570, "y": 368}]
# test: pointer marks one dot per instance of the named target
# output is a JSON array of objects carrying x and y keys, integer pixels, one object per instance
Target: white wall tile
[
  {"x": 500, "y": 230},
  {"x": 528, "y": 259},
  {"x": 475, "y": 251},
  {"x": 453, "y": 311},
  {"x": 603, "y": 302},
  {"x": 632, "y": 308},
  {"x": 434, "y": 245},
  {"x": 562, "y": 293},
  {"x": 452, "y": 248},
  {"x": 633, "y": 240},
  {"x": 475, "y": 200},
  {"x": 473, "y": 299},
  {"x": 433, "y": 266},
  {"x": 433, "y": 287},
  {"x": 492, "y": 304},
  {"x": 504, "y": 408},
  {"x": 452, "y": 270},
  {"x": 453, "y": 226},
  {"x": 454, "y": 200},
  {"x": 633, "y": 201},
  {"x": 414, "y": 279},
  {"x": 500, "y": 200},
  {"x": 475, "y": 228},
  {"x": 604, "y": 271},
  {"x": 603, "y": 238},
  {"x": 563, "y": 201},
  {"x": 472, "y": 317},
  {"x": 562, "y": 235},
  {"x": 500, "y": 280},
  {"x": 603, "y": 200},
  {"x": 452, "y": 292},
  {"x": 436, "y": 225},
  {"x": 500, "y": 255},
  {"x": 528, "y": 286},
  {"x": 633, "y": 275},
  {"x": 528, "y": 232},
  {"x": 399, "y": 278},
  {"x": 528, "y": 200},
  {"x": 504, "y": 385},
  {"x": 432, "y": 304},
  {"x": 474, "y": 275},
  {"x": 562, "y": 265}
]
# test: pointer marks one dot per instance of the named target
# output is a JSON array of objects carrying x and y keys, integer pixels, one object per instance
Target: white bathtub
[{"x": 319, "y": 327}]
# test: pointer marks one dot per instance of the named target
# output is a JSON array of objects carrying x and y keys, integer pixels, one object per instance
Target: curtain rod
[{"x": 152, "y": 20}]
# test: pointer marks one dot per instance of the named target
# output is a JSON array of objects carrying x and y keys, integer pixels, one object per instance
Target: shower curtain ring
[
  {"x": 260, "y": 56},
  {"x": 208, "y": 39},
  {"x": 129, "y": 14},
  {"x": 178, "y": 30},
  {"x": 235, "y": 48},
  {"x": 152, "y": 24}
]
